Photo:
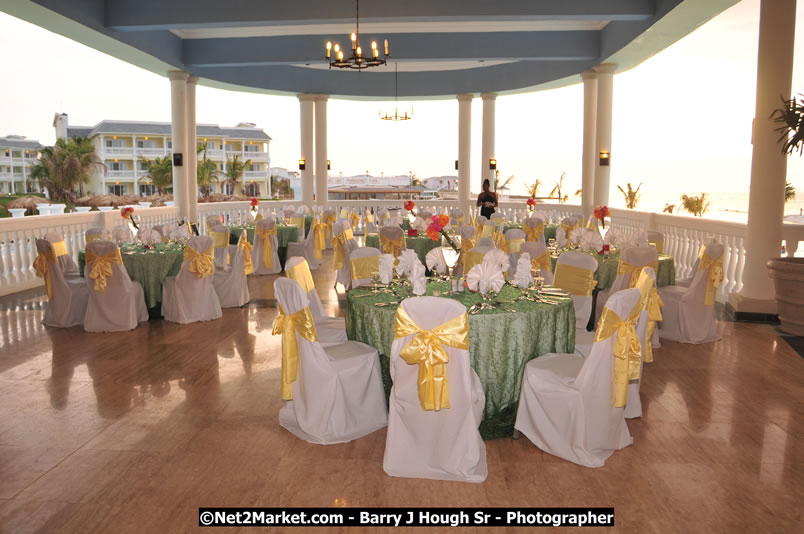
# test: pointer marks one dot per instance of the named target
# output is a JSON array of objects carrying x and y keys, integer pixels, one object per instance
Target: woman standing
[{"x": 487, "y": 199}]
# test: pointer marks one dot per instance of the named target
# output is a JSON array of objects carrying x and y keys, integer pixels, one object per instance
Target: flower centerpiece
[
  {"x": 601, "y": 212},
  {"x": 531, "y": 204},
  {"x": 128, "y": 214},
  {"x": 409, "y": 205},
  {"x": 254, "y": 203}
]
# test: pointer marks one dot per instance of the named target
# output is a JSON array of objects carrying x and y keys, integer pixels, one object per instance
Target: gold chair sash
[
  {"x": 369, "y": 218},
  {"x": 245, "y": 246},
  {"x": 575, "y": 280},
  {"x": 365, "y": 268},
  {"x": 392, "y": 246},
  {"x": 658, "y": 245},
  {"x": 202, "y": 264},
  {"x": 329, "y": 220},
  {"x": 59, "y": 248},
  {"x": 487, "y": 230},
  {"x": 258, "y": 218},
  {"x": 101, "y": 267},
  {"x": 267, "y": 245},
  {"x": 499, "y": 241},
  {"x": 635, "y": 271},
  {"x": 300, "y": 273},
  {"x": 355, "y": 219},
  {"x": 221, "y": 240},
  {"x": 627, "y": 350},
  {"x": 288, "y": 326},
  {"x": 567, "y": 229},
  {"x": 513, "y": 245},
  {"x": 42, "y": 267},
  {"x": 466, "y": 246},
  {"x": 472, "y": 259},
  {"x": 651, "y": 302},
  {"x": 319, "y": 231},
  {"x": 543, "y": 262},
  {"x": 533, "y": 233},
  {"x": 298, "y": 221},
  {"x": 714, "y": 278},
  {"x": 344, "y": 213},
  {"x": 339, "y": 244},
  {"x": 91, "y": 238},
  {"x": 427, "y": 350}
]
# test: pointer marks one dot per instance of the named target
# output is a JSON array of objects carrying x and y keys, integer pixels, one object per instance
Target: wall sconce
[
  {"x": 329, "y": 165},
  {"x": 456, "y": 164},
  {"x": 492, "y": 164},
  {"x": 605, "y": 158},
  {"x": 302, "y": 164}
]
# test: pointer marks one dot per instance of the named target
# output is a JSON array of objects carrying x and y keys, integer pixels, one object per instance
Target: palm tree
[
  {"x": 160, "y": 171},
  {"x": 66, "y": 166},
  {"x": 631, "y": 196},
  {"x": 695, "y": 205},
  {"x": 534, "y": 188},
  {"x": 789, "y": 192},
  {"x": 791, "y": 118},
  {"x": 557, "y": 189},
  {"x": 668, "y": 208},
  {"x": 235, "y": 169},
  {"x": 207, "y": 172},
  {"x": 505, "y": 184}
]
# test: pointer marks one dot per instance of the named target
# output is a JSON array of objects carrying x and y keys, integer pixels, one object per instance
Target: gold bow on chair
[
  {"x": 101, "y": 267},
  {"x": 427, "y": 350},
  {"x": 339, "y": 243},
  {"x": 714, "y": 278},
  {"x": 627, "y": 350},
  {"x": 329, "y": 220},
  {"x": 319, "y": 231},
  {"x": 201, "y": 264},
  {"x": 248, "y": 265},
  {"x": 355, "y": 219},
  {"x": 300, "y": 273},
  {"x": 42, "y": 267},
  {"x": 575, "y": 280},
  {"x": 267, "y": 245},
  {"x": 300, "y": 322},
  {"x": 625, "y": 267},
  {"x": 365, "y": 268},
  {"x": 499, "y": 241},
  {"x": 533, "y": 233},
  {"x": 59, "y": 248},
  {"x": 567, "y": 229},
  {"x": 392, "y": 246},
  {"x": 543, "y": 262},
  {"x": 466, "y": 246}
]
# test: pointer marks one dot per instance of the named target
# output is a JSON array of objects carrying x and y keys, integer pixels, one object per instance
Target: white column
[
  {"x": 464, "y": 152},
  {"x": 605, "y": 94},
  {"x": 589, "y": 142},
  {"x": 178, "y": 132},
  {"x": 321, "y": 172},
  {"x": 191, "y": 159},
  {"x": 306, "y": 103},
  {"x": 487, "y": 149},
  {"x": 777, "y": 21}
]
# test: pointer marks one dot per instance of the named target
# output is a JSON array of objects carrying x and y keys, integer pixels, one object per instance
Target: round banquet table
[
  {"x": 285, "y": 234},
  {"x": 501, "y": 342},
  {"x": 607, "y": 269},
  {"x": 149, "y": 266},
  {"x": 421, "y": 244}
]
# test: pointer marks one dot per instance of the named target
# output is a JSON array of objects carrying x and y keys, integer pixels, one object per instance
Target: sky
[{"x": 694, "y": 99}]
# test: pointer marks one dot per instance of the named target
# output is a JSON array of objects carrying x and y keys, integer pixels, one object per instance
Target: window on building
[
  {"x": 143, "y": 166},
  {"x": 115, "y": 165},
  {"x": 117, "y": 189},
  {"x": 227, "y": 189},
  {"x": 253, "y": 167},
  {"x": 170, "y": 144},
  {"x": 252, "y": 190},
  {"x": 147, "y": 190},
  {"x": 251, "y": 148}
]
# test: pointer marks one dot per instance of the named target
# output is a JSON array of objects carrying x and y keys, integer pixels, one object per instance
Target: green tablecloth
[
  {"x": 421, "y": 244},
  {"x": 549, "y": 229},
  {"x": 500, "y": 343},
  {"x": 607, "y": 270},
  {"x": 149, "y": 267}
]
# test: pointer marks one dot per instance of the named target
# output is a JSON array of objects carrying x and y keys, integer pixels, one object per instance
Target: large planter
[{"x": 788, "y": 276}]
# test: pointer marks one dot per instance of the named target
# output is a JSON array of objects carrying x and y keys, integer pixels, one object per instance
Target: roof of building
[
  {"x": 18, "y": 141},
  {"x": 164, "y": 128}
]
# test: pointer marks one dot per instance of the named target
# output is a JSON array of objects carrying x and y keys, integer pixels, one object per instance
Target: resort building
[
  {"x": 366, "y": 186},
  {"x": 125, "y": 147},
  {"x": 17, "y": 156}
]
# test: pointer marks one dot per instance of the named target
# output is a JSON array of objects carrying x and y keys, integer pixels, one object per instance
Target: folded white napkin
[
  {"x": 407, "y": 259},
  {"x": 418, "y": 279},
  {"x": 484, "y": 277},
  {"x": 387, "y": 268},
  {"x": 435, "y": 261},
  {"x": 498, "y": 258},
  {"x": 523, "y": 278},
  {"x": 589, "y": 240},
  {"x": 149, "y": 236}
]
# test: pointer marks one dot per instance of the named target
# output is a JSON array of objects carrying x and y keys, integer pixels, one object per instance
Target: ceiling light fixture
[
  {"x": 396, "y": 116},
  {"x": 357, "y": 60}
]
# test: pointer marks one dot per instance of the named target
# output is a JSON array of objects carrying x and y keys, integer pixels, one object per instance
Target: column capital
[
  {"x": 306, "y": 97},
  {"x": 488, "y": 96},
  {"x": 177, "y": 75},
  {"x": 193, "y": 80},
  {"x": 589, "y": 75},
  {"x": 606, "y": 68},
  {"x": 466, "y": 97},
  {"x": 321, "y": 98}
]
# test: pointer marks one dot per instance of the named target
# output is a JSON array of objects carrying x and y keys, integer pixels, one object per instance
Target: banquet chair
[
  {"x": 685, "y": 281},
  {"x": 369, "y": 223},
  {"x": 456, "y": 217},
  {"x": 575, "y": 274},
  {"x": 163, "y": 229},
  {"x": 343, "y": 244},
  {"x": 334, "y": 393},
  {"x": 656, "y": 239},
  {"x": 265, "y": 256},
  {"x": 287, "y": 213},
  {"x": 122, "y": 234},
  {"x": 475, "y": 256},
  {"x": 330, "y": 329},
  {"x": 330, "y": 218},
  {"x": 689, "y": 312},
  {"x": 468, "y": 236},
  {"x": 514, "y": 239},
  {"x": 297, "y": 219},
  {"x": 364, "y": 263},
  {"x": 180, "y": 232},
  {"x": 392, "y": 240},
  {"x": 310, "y": 248},
  {"x": 116, "y": 303},
  {"x": 190, "y": 296},
  {"x": 66, "y": 297},
  {"x": 485, "y": 242},
  {"x": 97, "y": 233},
  {"x": 565, "y": 228},
  {"x": 231, "y": 286},
  {"x": 68, "y": 266},
  {"x": 566, "y": 406},
  {"x": 534, "y": 229},
  {"x": 433, "y": 431},
  {"x": 213, "y": 221},
  {"x": 647, "y": 290},
  {"x": 632, "y": 261},
  {"x": 220, "y": 238},
  {"x": 540, "y": 261}
]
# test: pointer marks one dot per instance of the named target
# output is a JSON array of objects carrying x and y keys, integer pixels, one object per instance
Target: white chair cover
[
  {"x": 338, "y": 394},
  {"x": 180, "y": 232},
  {"x": 330, "y": 329},
  {"x": 363, "y": 252},
  {"x": 213, "y": 221},
  {"x": 121, "y": 305},
  {"x": 533, "y": 222},
  {"x": 66, "y": 262},
  {"x": 485, "y": 242},
  {"x": 636, "y": 256},
  {"x": 328, "y": 213},
  {"x": 583, "y": 303},
  {"x": 222, "y": 260},
  {"x": 256, "y": 254},
  {"x": 344, "y": 275},
  {"x": 566, "y": 406},
  {"x": 306, "y": 249},
  {"x": 187, "y": 298},
  {"x": 536, "y": 250},
  {"x": 122, "y": 234},
  {"x": 443, "y": 444},
  {"x": 633, "y": 408},
  {"x": 510, "y": 235},
  {"x": 687, "y": 318},
  {"x": 67, "y": 304},
  {"x": 370, "y": 226},
  {"x": 231, "y": 286}
]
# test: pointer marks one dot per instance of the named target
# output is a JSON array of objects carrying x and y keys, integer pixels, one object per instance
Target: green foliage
[
  {"x": 160, "y": 171},
  {"x": 235, "y": 169},
  {"x": 65, "y": 167},
  {"x": 631, "y": 196},
  {"x": 668, "y": 208},
  {"x": 791, "y": 117},
  {"x": 534, "y": 188},
  {"x": 557, "y": 190},
  {"x": 697, "y": 205},
  {"x": 207, "y": 172},
  {"x": 280, "y": 187},
  {"x": 789, "y": 192}
]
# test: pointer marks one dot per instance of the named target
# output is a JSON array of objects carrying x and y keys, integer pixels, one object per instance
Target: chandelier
[
  {"x": 396, "y": 116},
  {"x": 357, "y": 60}
]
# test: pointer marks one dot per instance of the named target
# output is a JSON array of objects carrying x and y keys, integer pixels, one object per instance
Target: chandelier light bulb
[{"x": 337, "y": 48}]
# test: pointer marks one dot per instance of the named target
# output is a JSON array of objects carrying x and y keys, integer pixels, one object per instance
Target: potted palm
[{"x": 788, "y": 273}]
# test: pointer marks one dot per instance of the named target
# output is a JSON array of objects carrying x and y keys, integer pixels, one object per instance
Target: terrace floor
[{"x": 132, "y": 432}]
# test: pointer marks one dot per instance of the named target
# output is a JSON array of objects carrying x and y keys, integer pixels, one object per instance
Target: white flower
[
  {"x": 498, "y": 258},
  {"x": 523, "y": 277}
]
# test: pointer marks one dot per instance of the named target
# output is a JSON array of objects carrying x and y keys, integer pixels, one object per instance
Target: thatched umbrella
[{"x": 28, "y": 203}]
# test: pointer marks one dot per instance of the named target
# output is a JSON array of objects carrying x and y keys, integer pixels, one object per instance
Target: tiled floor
[{"x": 133, "y": 432}]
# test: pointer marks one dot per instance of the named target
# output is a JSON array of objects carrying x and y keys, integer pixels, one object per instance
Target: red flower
[
  {"x": 126, "y": 212},
  {"x": 531, "y": 202},
  {"x": 601, "y": 212},
  {"x": 254, "y": 202},
  {"x": 409, "y": 205},
  {"x": 442, "y": 220},
  {"x": 433, "y": 232}
]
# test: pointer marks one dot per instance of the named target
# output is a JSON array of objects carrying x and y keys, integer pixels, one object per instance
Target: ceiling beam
[
  {"x": 295, "y": 49},
  {"x": 141, "y": 15}
]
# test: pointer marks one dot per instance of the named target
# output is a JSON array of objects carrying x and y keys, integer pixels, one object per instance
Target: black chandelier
[
  {"x": 396, "y": 116},
  {"x": 357, "y": 60}
]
